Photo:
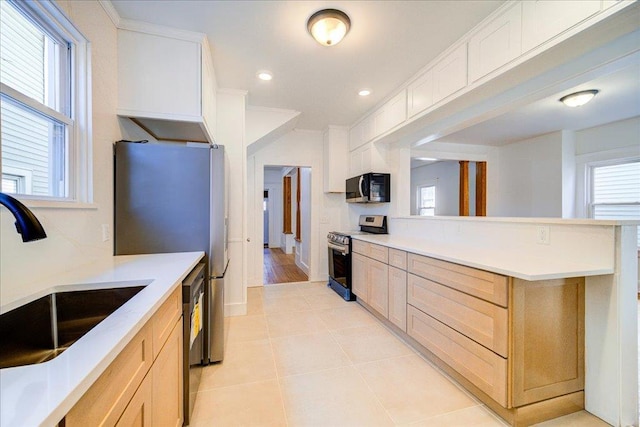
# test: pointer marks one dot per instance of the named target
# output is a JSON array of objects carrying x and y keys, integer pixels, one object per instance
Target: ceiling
[
  {"x": 618, "y": 99},
  {"x": 389, "y": 42}
]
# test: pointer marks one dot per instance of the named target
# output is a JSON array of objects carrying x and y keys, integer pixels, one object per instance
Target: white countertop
[
  {"x": 42, "y": 394},
  {"x": 506, "y": 263}
]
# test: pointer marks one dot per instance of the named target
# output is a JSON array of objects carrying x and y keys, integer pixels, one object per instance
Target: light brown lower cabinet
[
  {"x": 359, "y": 276},
  {"x": 398, "y": 297},
  {"x": 138, "y": 412},
  {"x": 517, "y": 345},
  {"x": 167, "y": 382},
  {"x": 135, "y": 389}
]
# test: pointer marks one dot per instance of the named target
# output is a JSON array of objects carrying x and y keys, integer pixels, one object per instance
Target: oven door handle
[{"x": 344, "y": 250}]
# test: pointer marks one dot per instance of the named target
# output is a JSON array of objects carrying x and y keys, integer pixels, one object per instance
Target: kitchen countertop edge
[
  {"x": 42, "y": 394},
  {"x": 526, "y": 268}
]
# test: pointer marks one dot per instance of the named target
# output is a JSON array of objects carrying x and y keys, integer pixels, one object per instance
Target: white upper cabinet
[
  {"x": 420, "y": 94},
  {"x": 545, "y": 19},
  {"x": 166, "y": 82},
  {"x": 394, "y": 112},
  {"x": 450, "y": 73},
  {"x": 496, "y": 43},
  {"x": 336, "y": 157}
]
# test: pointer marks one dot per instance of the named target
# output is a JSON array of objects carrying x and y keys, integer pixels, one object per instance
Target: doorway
[{"x": 286, "y": 212}]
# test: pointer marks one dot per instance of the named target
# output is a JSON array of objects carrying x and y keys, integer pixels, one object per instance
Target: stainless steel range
[{"x": 339, "y": 243}]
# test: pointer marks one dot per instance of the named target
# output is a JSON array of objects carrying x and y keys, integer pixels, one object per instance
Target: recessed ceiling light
[
  {"x": 264, "y": 75},
  {"x": 426, "y": 159},
  {"x": 578, "y": 98},
  {"x": 364, "y": 92},
  {"x": 328, "y": 26}
]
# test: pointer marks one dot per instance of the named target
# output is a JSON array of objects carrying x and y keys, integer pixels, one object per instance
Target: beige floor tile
[
  {"x": 244, "y": 362},
  {"x": 349, "y": 316},
  {"x": 280, "y": 291},
  {"x": 337, "y": 397},
  {"x": 577, "y": 419},
  {"x": 299, "y": 354},
  {"x": 326, "y": 301},
  {"x": 476, "y": 416},
  {"x": 254, "y": 302},
  {"x": 247, "y": 328},
  {"x": 254, "y": 404},
  {"x": 412, "y": 390},
  {"x": 316, "y": 288},
  {"x": 369, "y": 343},
  {"x": 285, "y": 304},
  {"x": 294, "y": 323}
]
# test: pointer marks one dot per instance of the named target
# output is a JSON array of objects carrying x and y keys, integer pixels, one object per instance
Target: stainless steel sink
[{"x": 42, "y": 329}]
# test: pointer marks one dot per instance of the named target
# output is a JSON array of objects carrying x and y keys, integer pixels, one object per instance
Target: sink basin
[{"x": 42, "y": 329}]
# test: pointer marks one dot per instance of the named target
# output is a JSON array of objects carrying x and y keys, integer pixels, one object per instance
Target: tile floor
[{"x": 302, "y": 356}]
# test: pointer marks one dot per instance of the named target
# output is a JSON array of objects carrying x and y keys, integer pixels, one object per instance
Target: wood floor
[{"x": 281, "y": 268}]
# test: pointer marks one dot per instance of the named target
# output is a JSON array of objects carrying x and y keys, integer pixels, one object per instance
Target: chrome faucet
[{"x": 26, "y": 222}]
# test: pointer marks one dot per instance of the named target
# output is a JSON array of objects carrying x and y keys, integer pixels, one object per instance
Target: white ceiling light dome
[
  {"x": 578, "y": 99},
  {"x": 328, "y": 26}
]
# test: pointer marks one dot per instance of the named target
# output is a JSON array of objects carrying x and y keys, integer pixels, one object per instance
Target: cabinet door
[
  {"x": 497, "y": 43},
  {"x": 335, "y": 150},
  {"x": 359, "y": 276},
  {"x": 398, "y": 297},
  {"x": 209, "y": 102},
  {"x": 450, "y": 74},
  {"x": 378, "y": 286},
  {"x": 545, "y": 19},
  {"x": 158, "y": 77},
  {"x": 105, "y": 401},
  {"x": 548, "y": 339},
  {"x": 356, "y": 136},
  {"x": 167, "y": 381},
  {"x": 138, "y": 412},
  {"x": 420, "y": 94}
]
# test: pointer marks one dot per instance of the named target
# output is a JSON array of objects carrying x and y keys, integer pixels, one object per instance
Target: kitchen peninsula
[
  {"x": 42, "y": 394},
  {"x": 478, "y": 291}
]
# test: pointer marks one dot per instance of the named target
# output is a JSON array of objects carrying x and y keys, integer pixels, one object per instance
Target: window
[
  {"x": 427, "y": 200},
  {"x": 43, "y": 102},
  {"x": 615, "y": 191}
]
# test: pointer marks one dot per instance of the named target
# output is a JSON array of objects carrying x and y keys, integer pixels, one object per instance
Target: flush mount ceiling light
[
  {"x": 328, "y": 26},
  {"x": 264, "y": 75},
  {"x": 364, "y": 92},
  {"x": 578, "y": 98}
]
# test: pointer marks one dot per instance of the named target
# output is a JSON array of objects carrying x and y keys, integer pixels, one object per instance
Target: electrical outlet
[
  {"x": 106, "y": 233},
  {"x": 542, "y": 237}
]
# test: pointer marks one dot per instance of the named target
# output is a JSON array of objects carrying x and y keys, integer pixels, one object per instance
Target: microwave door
[{"x": 360, "y": 182}]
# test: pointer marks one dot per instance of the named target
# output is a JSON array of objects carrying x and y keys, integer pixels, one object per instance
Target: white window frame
[
  {"x": 589, "y": 204},
  {"x": 22, "y": 176},
  {"x": 419, "y": 206},
  {"x": 79, "y": 142}
]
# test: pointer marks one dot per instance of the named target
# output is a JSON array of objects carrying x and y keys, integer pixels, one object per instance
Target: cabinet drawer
[
  {"x": 377, "y": 252},
  {"x": 165, "y": 318},
  {"x": 482, "y": 284},
  {"x": 360, "y": 247},
  {"x": 108, "y": 397},
  {"x": 483, "y": 368},
  {"x": 398, "y": 297},
  {"x": 398, "y": 259},
  {"x": 479, "y": 320}
]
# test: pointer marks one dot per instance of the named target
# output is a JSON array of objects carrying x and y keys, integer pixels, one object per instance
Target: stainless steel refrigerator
[{"x": 172, "y": 197}]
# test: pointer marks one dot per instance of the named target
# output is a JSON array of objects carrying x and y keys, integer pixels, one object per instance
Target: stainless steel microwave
[{"x": 369, "y": 188}]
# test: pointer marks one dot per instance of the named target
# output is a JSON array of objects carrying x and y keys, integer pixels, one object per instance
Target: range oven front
[{"x": 340, "y": 264}]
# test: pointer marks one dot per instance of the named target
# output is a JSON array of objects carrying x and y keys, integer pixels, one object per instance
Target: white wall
[
  {"x": 74, "y": 235},
  {"x": 527, "y": 178},
  {"x": 297, "y": 148},
  {"x": 303, "y": 246},
  {"x": 273, "y": 184},
  {"x": 231, "y": 124}
]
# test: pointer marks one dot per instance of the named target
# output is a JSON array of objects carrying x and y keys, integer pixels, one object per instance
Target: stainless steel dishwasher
[{"x": 192, "y": 337}]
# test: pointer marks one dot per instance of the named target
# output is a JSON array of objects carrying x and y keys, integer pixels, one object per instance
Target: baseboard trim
[{"x": 235, "y": 309}]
